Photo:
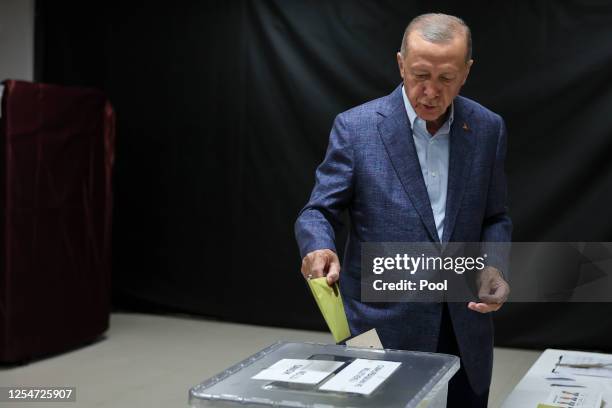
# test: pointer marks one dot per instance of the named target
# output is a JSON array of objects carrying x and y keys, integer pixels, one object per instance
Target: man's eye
[
  {"x": 421, "y": 76},
  {"x": 446, "y": 79}
]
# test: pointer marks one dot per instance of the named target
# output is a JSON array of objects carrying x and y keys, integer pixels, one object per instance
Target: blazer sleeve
[
  {"x": 497, "y": 226},
  {"x": 319, "y": 220}
]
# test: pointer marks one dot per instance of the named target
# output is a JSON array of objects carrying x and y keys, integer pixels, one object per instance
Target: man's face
[{"x": 433, "y": 74}]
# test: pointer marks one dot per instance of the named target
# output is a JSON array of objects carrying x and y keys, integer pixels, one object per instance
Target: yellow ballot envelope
[{"x": 330, "y": 303}]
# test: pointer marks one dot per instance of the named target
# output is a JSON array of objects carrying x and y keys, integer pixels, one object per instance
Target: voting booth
[
  {"x": 301, "y": 375},
  {"x": 56, "y": 154}
]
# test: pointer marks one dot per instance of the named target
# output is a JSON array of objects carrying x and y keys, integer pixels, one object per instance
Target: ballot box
[{"x": 301, "y": 375}]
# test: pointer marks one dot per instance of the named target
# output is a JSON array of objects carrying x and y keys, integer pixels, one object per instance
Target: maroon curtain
[{"x": 56, "y": 158}]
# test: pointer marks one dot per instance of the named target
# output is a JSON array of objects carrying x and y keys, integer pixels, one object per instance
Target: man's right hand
[{"x": 322, "y": 262}]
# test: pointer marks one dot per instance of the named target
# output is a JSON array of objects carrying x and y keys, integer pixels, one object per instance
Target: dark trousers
[{"x": 460, "y": 392}]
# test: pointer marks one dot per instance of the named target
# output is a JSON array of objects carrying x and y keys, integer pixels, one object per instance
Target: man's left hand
[{"x": 493, "y": 291}]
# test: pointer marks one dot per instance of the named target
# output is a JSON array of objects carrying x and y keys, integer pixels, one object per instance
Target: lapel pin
[{"x": 465, "y": 126}]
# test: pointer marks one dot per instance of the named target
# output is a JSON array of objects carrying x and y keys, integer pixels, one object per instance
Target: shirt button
[{"x": 433, "y": 174}]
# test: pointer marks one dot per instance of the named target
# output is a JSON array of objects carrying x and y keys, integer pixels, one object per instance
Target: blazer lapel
[
  {"x": 462, "y": 140},
  {"x": 397, "y": 138}
]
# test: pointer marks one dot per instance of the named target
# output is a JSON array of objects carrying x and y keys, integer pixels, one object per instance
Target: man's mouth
[{"x": 428, "y": 107}]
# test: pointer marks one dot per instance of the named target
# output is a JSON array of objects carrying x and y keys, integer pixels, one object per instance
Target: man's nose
[{"x": 430, "y": 90}]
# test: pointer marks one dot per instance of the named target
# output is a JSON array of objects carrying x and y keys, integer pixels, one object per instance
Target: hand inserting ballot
[{"x": 322, "y": 262}]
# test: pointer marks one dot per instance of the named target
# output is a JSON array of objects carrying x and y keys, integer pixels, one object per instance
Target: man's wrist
[
  {"x": 491, "y": 270},
  {"x": 317, "y": 246}
]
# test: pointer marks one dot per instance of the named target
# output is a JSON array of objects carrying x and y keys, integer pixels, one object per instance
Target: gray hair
[{"x": 439, "y": 29}]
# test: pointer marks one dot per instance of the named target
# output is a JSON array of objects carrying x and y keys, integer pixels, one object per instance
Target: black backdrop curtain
[{"x": 224, "y": 110}]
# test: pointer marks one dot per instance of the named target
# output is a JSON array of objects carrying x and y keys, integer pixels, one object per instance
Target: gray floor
[{"x": 151, "y": 361}]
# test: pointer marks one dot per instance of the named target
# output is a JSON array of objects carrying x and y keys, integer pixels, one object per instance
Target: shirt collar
[{"x": 412, "y": 116}]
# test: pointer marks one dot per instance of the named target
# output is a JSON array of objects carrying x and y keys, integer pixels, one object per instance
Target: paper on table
[
  {"x": 573, "y": 398},
  {"x": 605, "y": 371},
  {"x": 298, "y": 371},
  {"x": 330, "y": 303},
  {"x": 361, "y": 376}
]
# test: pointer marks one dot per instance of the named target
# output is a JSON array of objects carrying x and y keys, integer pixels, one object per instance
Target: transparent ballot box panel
[{"x": 301, "y": 375}]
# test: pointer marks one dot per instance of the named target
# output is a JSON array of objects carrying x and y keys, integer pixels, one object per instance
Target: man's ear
[
  {"x": 400, "y": 63},
  {"x": 467, "y": 71}
]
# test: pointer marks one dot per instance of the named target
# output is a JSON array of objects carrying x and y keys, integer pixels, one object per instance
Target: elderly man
[{"x": 419, "y": 165}]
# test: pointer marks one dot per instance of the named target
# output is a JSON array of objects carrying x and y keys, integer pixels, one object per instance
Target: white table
[{"x": 534, "y": 387}]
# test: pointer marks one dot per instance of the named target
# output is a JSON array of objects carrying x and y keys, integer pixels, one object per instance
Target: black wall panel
[{"x": 224, "y": 110}]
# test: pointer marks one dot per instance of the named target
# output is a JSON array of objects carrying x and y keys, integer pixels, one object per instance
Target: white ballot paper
[
  {"x": 299, "y": 371},
  {"x": 361, "y": 376},
  {"x": 368, "y": 339},
  {"x": 585, "y": 365}
]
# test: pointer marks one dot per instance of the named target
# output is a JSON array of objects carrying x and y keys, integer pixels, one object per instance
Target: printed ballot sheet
[
  {"x": 299, "y": 371},
  {"x": 574, "y": 399},
  {"x": 361, "y": 376}
]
